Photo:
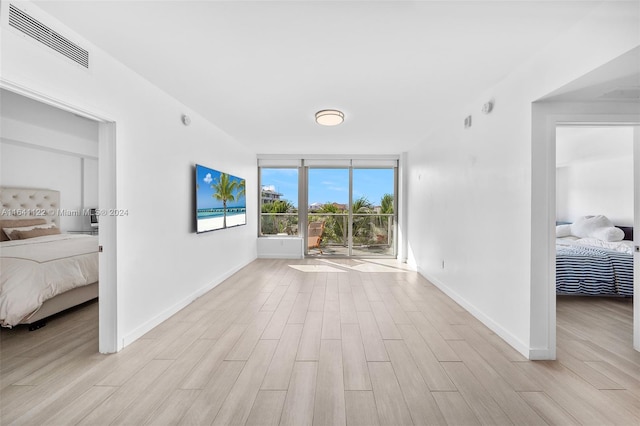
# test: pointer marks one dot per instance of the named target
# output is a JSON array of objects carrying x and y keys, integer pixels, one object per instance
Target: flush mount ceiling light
[{"x": 329, "y": 117}]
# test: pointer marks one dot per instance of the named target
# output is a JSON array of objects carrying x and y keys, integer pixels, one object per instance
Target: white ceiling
[
  {"x": 260, "y": 70},
  {"x": 615, "y": 81}
]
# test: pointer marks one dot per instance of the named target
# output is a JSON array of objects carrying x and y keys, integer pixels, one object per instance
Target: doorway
[
  {"x": 546, "y": 117},
  {"x": 106, "y": 164},
  {"x": 594, "y": 269}
]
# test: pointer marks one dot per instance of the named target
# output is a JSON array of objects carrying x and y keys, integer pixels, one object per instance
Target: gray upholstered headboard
[{"x": 24, "y": 203}]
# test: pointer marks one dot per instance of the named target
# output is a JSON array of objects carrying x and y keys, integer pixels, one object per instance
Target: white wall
[
  {"x": 44, "y": 147},
  {"x": 280, "y": 248},
  {"x": 470, "y": 190},
  {"x": 161, "y": 263},
  {"x": 594, "y": 173}
]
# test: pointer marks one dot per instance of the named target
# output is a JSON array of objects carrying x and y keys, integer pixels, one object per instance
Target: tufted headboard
[{"x": 26, "y": 203}]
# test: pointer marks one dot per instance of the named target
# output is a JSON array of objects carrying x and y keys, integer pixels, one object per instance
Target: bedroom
[
  {"x": 595, "y": 177},
  {"x": 50, "y": 184}
]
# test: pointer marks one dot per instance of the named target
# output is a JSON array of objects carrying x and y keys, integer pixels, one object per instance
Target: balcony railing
[
  {"x": 279, "y": 224},
  {"x": 369, "y": 229},
  {"x": 373, "y": 233}
]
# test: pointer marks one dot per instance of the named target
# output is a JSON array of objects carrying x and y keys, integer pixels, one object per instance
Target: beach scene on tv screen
[{"x": 220, "y": 200}]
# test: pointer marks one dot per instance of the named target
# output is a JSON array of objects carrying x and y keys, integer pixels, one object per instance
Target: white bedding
[
  {"x": 619, "y": 246},
  {"x": 37, "y": 269}
]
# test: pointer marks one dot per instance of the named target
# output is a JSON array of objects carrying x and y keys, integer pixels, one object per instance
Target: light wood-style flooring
[{"x": 325, "y": 343}]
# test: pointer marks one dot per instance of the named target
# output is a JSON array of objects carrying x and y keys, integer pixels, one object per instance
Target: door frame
[
  {"x": 305, "y": 202},
  {"x": 636, "y": 236},
  {"x": 108, "y": 330},
  {"x": 546, "y": 116}
]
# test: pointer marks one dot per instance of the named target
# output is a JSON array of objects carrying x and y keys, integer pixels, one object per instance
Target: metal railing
[
  {"x": 369, "y": 229},
  {"x": 279, "y": 223},
  {"x": 373, "y": 233}
]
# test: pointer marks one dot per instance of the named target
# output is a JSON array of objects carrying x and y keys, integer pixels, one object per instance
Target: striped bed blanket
[{"x": 593, "y": 271}]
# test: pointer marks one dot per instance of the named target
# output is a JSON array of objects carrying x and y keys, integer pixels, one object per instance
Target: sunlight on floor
[
  {"x": 316, "y": 268},
  {"x": 356, "y": 265}
]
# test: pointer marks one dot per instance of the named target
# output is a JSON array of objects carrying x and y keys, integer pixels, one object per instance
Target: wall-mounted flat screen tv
[{"x": 220, "y": 200}]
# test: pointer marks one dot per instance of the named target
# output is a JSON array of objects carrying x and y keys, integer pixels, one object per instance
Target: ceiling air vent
[{"x": 45, "y": 35}]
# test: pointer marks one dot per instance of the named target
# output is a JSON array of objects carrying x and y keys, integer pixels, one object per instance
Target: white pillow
[
  {"x": 563, "y": 231},
  {"x": 608, "y": 234},
  {"x": 583, "y": 227},
  {"x": 9, "y": 231}
]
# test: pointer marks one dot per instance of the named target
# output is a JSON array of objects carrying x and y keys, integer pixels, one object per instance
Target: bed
[
  {"x": 41, "y": 272},
  {"x": 588, "y": 265}
]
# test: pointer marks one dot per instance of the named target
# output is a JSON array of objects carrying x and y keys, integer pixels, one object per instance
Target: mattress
[{"x": 37, "y": 269}]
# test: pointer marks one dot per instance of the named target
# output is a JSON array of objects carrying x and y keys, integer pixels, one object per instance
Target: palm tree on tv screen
[
  {"x": 242, "y": 190},
  {"x": 224, "y": 188}
]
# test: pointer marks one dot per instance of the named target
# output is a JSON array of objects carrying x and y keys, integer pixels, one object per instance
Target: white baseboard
[
  {"x": 541, "y": 355},
  {"x": 478, "y": 314},
  {"x": 172, "y": 310}
]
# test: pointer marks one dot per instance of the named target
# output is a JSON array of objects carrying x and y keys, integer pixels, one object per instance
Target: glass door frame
[{"x": 303, "y": 208}]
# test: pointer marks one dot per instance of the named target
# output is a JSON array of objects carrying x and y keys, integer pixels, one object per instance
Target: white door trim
[
  {"x": 545, "y": 117},
  {"x": 109, "y": 331},
  {"x": 636, "y": 236},
  {"x": 108, "y": 307}
]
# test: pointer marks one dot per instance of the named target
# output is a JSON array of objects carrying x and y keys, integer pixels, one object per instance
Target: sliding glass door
[
  {"x": 351, "y": 211},
  {"x": 373, "y": 212},
  {"x": 328, "y": 211}
]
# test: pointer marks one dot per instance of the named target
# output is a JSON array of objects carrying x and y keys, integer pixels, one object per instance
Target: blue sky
[
  {"x": 332, "y": 185},
  {"x": 205, "y": 177}
]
